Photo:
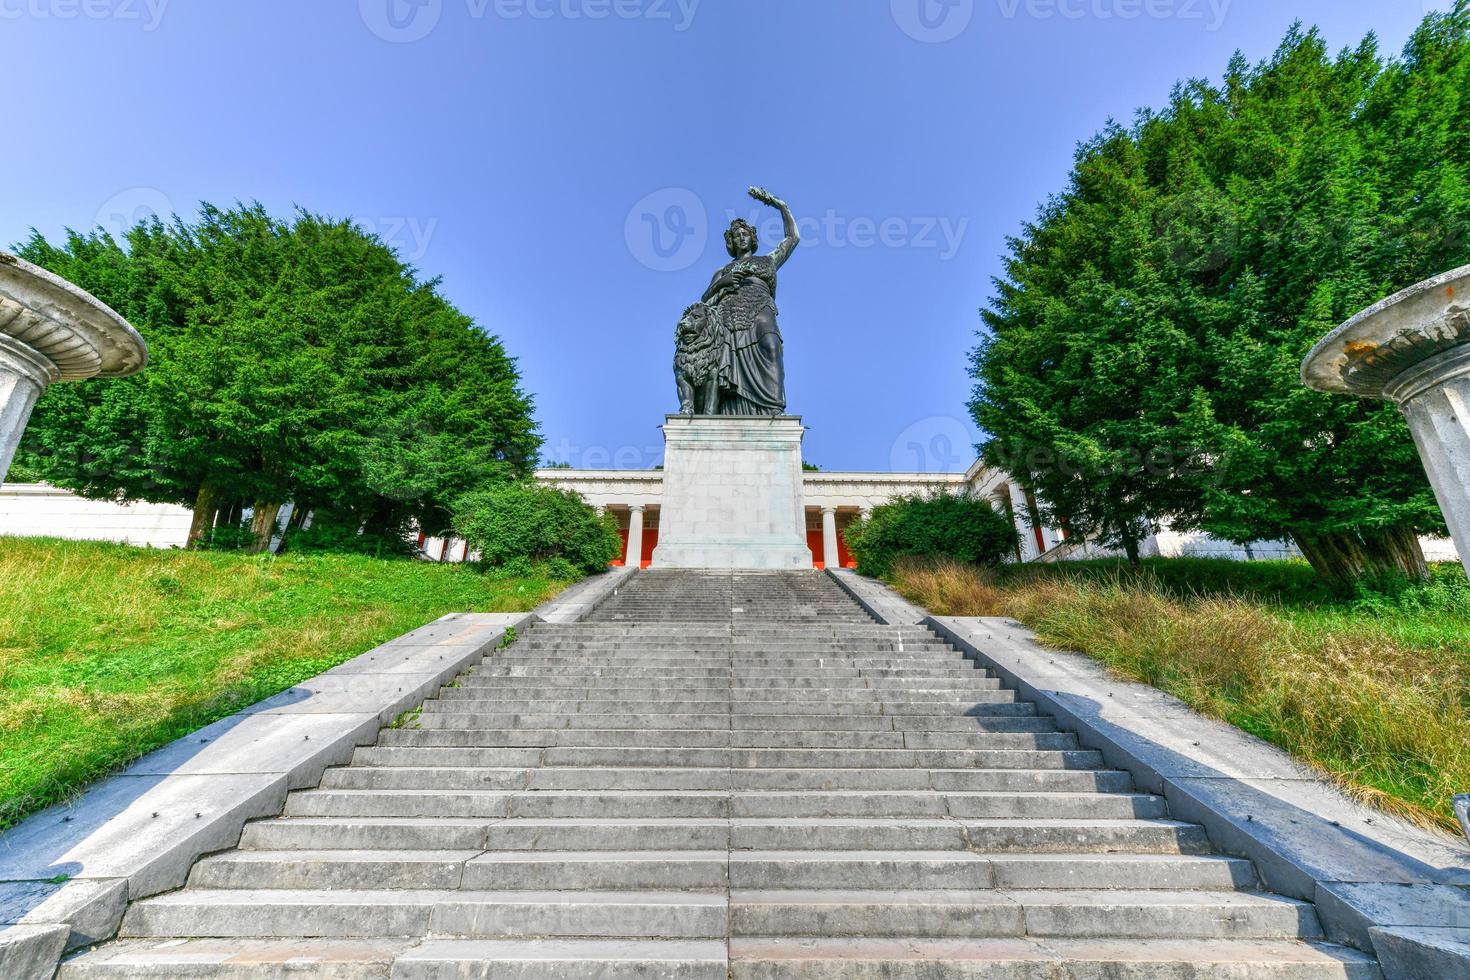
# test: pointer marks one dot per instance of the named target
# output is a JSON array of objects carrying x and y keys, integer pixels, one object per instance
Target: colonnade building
[{"x": 833, "y": 501}]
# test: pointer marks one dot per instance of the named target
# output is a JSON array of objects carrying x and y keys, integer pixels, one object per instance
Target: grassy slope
[
  {"x": 1373, "y": 691},
  {"x": 107, "y": 651}
]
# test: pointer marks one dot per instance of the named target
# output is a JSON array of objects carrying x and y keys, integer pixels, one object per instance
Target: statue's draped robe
[{"x": 757, "y": 377}]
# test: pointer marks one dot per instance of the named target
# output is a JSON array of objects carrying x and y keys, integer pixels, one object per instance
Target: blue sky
[{"x": 567, "y": 166}]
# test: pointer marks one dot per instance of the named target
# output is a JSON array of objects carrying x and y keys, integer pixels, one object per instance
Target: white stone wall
[{"x": 38, "y": 510}]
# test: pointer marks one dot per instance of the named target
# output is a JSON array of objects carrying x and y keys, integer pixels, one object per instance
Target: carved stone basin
[
  {"x": 1414, "y": 350},
  {"x": 50, "y": 330}
]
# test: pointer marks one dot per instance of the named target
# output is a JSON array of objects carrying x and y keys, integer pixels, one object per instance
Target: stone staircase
[{"x": 723, "y": 775}]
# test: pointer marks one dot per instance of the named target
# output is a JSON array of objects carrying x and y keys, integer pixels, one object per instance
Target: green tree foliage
[
  {"x": 520, "y": 524},
  {"x": 942, "y": 525},
  {"x": 1142, "y": 353},
  {"x": 290, "y": 361}
]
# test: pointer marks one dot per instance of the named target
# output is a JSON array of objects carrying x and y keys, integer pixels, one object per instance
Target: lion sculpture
[{"x": 701, "y": 365}]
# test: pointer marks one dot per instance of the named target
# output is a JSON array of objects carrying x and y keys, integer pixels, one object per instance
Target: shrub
[
  {"x": 945, "y": 525},
  {"x": 330, "y": 535},
  {"x": 522, "y": 522}
]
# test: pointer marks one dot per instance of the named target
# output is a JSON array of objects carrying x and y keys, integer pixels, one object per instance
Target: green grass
[
  {"x": 1373, "y": 689},
  {"x": 108, "y": 652}
]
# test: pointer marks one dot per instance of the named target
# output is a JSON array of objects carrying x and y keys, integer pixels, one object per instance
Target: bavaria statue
[{"x": 728, "y": 357}]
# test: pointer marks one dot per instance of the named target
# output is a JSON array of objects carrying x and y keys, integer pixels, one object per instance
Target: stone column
[
  {"x": 830, "y": 555},
  {"x": 1414, "y": 350},
  {"x": 635, "y": 537},
  {"x": 24, "y": 374},
  {"x": 1022, "y": 512}
]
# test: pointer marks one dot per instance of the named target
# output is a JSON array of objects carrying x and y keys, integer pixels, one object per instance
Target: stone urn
[
  {"x": 52, "y": 331},
  {"x": 1414, "y": 350}
]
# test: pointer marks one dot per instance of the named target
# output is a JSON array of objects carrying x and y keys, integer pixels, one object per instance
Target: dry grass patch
[{"x": 1371, "y": 697}]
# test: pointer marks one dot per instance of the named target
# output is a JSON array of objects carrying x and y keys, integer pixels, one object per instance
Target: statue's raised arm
[{"x": 792, "y": 238}]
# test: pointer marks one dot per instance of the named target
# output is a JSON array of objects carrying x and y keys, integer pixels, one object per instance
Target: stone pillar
[
  {"x": 635, "y": 537},
  {"x": 1439, "y": 418},
  {"x": 1414, "y": 350},
  {"x": 24, "y": 374},
  {"x": 1022, "y": 513},
  {"x": 831, "y": 557}
]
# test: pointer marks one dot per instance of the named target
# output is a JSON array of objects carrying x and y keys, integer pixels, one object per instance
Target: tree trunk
[
  {"x": 1130, "y": 547},
  {"x": 1339, "y": 558},
  {"x": 1397, "y": 549},
  {"x": 206, "y": 506},
  {"x": 263, "y": 526},
  {"x": 1345, "y": 558}
]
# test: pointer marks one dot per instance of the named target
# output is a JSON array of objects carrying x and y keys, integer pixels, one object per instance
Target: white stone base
[{"x": 733, "y": 494}]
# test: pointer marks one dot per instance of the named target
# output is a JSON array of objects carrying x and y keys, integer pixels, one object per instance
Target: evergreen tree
[
  {"x": 291, "y": 361},
  {"x": 1143, "y": 352}
]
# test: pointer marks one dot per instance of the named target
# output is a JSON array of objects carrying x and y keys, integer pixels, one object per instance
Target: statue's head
[{"x": 740, "y": 238}]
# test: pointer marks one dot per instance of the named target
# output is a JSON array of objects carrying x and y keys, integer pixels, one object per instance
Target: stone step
[
  {"x": 679, "y": 801},
  {"x": 977, "y": 702},
  {"x": 1051, "y": 959},
  {"x": 848, "y": 834},
  {"x": 1017, "y": 783},
  {"x": 377, "y": 914},
  {"x": 633, "y": 687},
  {"x": 779, "y": 758},
  {"x": 737, "y": 780},
  {"x": 1036, "y": 733},
  {"x": 723, "y": 693},
  {"x": 774, "y": 676},
  {"x": 437, "y": 959},
  {"x": 1089, "y": 914},
  {"x": 751, "y": 665},
  {"x": 1041, "y": 837},
  {"x": 974, "y": 720},
  {"x": 710, "y": 870}
]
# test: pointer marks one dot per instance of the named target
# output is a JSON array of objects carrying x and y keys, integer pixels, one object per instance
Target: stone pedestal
[
  {"x": 733, "y": 494},
  {"x": 1414, "y": 350},
  {"x": 52, "y": 331}
]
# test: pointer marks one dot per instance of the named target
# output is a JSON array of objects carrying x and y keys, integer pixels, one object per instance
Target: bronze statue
[{"x": 739, "y": 315}]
